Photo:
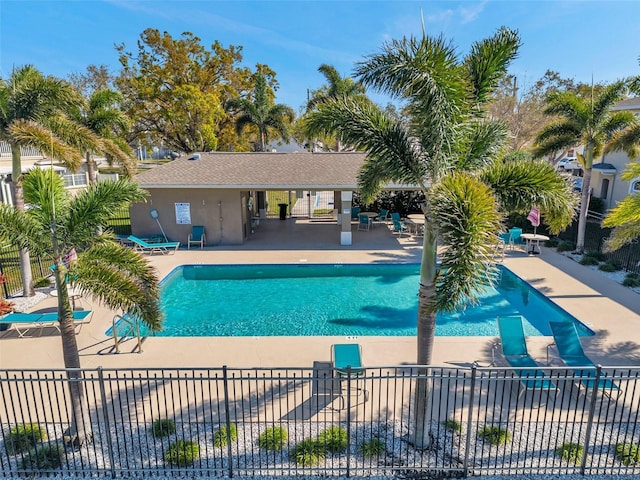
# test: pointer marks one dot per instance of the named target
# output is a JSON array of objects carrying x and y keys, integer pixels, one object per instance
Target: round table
[
  {"x": 533, "y": 241},
  {"x": 415, "y": 221}
]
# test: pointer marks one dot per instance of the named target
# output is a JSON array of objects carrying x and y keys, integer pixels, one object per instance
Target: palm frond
[
  {"x": 488, "y": 62},
  {"x": 520, "y": 185},
  {"x": 481, "y": 143},
  {"x": 467, "y": 220},
  {"x": 627, "y": 140},
  {"x": 22, "y": 230},
  {"x": 93, "y": 207},
  {"x": 114, "y": 152},
  {"x": 30, "y": 133},
  {"x": 122, "y": 279}
]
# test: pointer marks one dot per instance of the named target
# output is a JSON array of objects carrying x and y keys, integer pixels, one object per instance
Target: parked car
[
  {"x": 577, "y": 184},
  {"x": 568, "y": 163}
]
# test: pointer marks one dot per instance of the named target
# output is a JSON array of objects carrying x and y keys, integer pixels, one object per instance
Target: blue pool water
[{"x": 342, "y": 300}]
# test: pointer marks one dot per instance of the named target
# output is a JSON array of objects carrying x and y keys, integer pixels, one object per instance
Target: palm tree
[
  {"x": 60, "y": 225},
  {"x": 32, "y": 113},
  {"x": 448, "y": 150},
  {"x": 336, "y": 87},
  {"x": 261, "y": 113},
  {"x": 586, "y": 121},
  {"x": 107, "y": 121}
]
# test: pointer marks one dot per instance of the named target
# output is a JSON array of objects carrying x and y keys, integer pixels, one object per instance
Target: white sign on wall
[{"x": 183, "y": 213}]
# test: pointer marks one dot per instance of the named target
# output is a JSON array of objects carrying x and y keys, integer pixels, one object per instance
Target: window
[{"x": 634, "y": 186}]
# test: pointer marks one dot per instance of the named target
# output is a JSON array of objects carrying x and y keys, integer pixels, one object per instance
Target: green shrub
[
  {"x": 552, "y": 242},
  {"x": 163, "y": 427},
  {"x": 571, "y": 452},
  {"x": 589, "y": 260},
  {"x": 372, "y": 448},
  {"x": 566, "y": 246},
  {"x": 601, "y": 257},
  {"x": 333, "y": 439},
  {"x": 43, "y": 457},
  {"x": 632, "y": 280},
  {"x": 628, "y": 453},
  {"x": 308, "y": 453},
  {"x": 182, "y": 453},
  {"x": 451, "y": 424},
  {"x": 220, "y": 437},
  {"x": 42, "y": 283},
  {"x": 597, "y": 204},
  {"x": 273, "y": 438},
  {"x": 495, "y": 435},
  {"x": 23, "y": 437},
  {"x": 610, "y": 266}
]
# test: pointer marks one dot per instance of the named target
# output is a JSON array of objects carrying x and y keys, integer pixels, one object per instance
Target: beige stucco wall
[
  {"x": 220, "y": 211},
  {"x": 618, "y": 188}
]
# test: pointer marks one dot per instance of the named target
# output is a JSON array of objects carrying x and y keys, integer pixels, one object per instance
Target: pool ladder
[{"x": 132, "y": 326}]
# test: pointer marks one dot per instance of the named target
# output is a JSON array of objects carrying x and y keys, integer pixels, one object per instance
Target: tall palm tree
[
  {"x": 33, "y": 113},
  {"x": 448, "y": 150},
  {"x": 261, "y": 113},
  {"x": 587, "y": 121},
  {"x": 336, "y": 87},
  {"x": 107, "y": 121},
  {"x": 60, "y": 224}
]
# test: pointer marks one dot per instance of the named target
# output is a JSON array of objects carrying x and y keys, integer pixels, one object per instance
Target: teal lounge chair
[
  {"x": 23, "y": 322},
  {"x": 383, "y": 216},
  {"x": 567, "y": 341},
  {"x": 364, "y": 222},
  {"x": 514, "y": 348},
  {"x": 196, "y": 237},
  {"x": 151, "y": 248},
  {"x": 347, "y": 359}
]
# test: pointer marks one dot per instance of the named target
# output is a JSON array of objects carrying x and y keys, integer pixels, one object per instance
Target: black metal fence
[
  {"x": 319, "y": 421},
  {"x": 628, "y": 257},
  {"x": 10, "y": 268}
]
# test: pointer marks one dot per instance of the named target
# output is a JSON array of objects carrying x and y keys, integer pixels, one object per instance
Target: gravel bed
[{"x": 135, "y": 449}]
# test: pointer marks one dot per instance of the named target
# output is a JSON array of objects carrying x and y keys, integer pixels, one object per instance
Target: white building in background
[
  {"x": 606, "y": 180},
  {"x": 31, "y": 158}
]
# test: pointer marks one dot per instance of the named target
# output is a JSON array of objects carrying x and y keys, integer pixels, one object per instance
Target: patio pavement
[{"x": 610, "y": 309}]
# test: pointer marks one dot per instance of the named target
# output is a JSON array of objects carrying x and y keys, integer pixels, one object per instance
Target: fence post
[
  {"x": 107, "y": 424},
  {"x": 348, "y": 419},
  {"x": 227, "y": 413},
  {"x": 474, "y": 372},
  {"x": 592, "y": 409}
]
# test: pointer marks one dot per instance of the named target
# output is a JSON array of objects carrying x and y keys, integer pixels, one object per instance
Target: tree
[
  {"x": 63, "y": 225},
  {"x": 587, "y": 121},
  {"x": 104, "y": 118},
  {"x": 336, "y": 87},
  {"x": 33, "y": 112},
  {"x": 96, "y": 77},
  {"x": 448, "y": 150},
  {"x": 175, "y": 89},
  {"x": 625, "y": 217},
  {"x": 261, "y": 113}
]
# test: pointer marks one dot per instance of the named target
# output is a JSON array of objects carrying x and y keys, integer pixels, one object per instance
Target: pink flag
[{"x": 534, "y": 217}]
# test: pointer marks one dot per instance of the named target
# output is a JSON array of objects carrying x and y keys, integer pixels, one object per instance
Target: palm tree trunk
[
  {"x": 91, "y": 167},
  {"x": 79, "y": 430},
  {"x": 426, "y": 334},
  {"x": 18, "y": 202}
]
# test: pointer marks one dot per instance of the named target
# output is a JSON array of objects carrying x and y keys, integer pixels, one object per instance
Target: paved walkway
[{"x": 612, "y": 310}]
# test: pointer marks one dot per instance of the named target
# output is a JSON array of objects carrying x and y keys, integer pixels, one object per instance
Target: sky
[{"x": 582, "y": 40}]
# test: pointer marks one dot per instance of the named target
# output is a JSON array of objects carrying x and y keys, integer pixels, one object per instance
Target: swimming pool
[{"x": 342, "y": 300}]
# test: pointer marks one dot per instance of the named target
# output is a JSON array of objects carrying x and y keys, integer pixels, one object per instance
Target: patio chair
[
  {"x": 355, "y": 211},
  {"x": 571, "y": 353},
  {"x": 514, "y": 349},
  {"x": 196, "y": 237},
  {"x": 383, "y": 216},
  {"x": 364, "y": 222},
  {"x": 399, "y": 227},
  {"x": 24, "y": 322},
  {"x": 515, "y": 238},
  {"x": 151, "y": 248},
  {"x": 347, "y": 362}
]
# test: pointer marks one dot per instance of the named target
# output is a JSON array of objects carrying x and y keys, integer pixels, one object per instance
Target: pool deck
[{"x": 611, "y": 310}]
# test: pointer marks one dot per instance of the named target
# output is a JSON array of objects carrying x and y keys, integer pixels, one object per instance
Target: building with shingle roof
[{"x": 226, "y": 192}]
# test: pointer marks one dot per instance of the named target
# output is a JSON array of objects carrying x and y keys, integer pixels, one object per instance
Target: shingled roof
[{"x": 260, "y": 171}]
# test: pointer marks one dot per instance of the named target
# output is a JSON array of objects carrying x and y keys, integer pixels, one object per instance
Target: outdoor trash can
[{"x": 283, "y": 211}]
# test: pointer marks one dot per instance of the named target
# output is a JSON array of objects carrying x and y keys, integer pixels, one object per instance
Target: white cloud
[{"x": 468, "y": 15}]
